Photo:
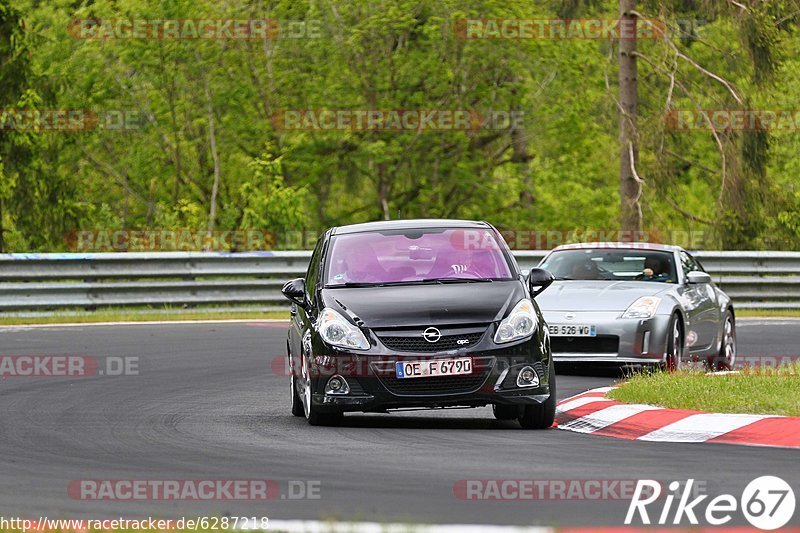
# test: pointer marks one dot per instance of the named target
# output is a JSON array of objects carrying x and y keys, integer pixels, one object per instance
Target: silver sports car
[{"x": 635, "y": 303}]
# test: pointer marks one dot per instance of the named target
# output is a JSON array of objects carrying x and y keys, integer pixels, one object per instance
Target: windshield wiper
[
  {"x": 353, "y": 284},
  {"x": 456, "y": 280},
  {"x": 357, "y": 284}
]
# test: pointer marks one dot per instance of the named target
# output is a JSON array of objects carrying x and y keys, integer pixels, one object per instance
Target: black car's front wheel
[
  {"x": 297, "y": 404},
  {"x": 314, "y": 417},
  {"x": 505, "y": 412},
  {"x": 542, "y": 415}
]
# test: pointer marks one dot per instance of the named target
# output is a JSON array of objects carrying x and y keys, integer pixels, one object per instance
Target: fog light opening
[
  {"x": 527, "y": 377},
  {"x": 337, "y": 385}
]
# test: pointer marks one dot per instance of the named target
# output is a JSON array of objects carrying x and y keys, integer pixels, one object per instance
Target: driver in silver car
[
  {"x": 583, "y": 268},
  {"x": 656, "y": 269}
]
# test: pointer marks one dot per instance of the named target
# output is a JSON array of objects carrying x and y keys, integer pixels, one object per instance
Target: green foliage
[
  {"x": 267, "y": 202},
  {"x": 148, "y": 162}
]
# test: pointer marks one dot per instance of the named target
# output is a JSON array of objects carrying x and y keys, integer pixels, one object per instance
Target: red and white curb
[{"x": 591, "y": 412}]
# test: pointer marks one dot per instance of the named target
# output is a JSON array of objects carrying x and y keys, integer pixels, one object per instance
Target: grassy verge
[
  {"x": 771, "y": 391},
  {"x": 211, "y": 313},
  {"x": 139, "y": 315},
  {"x": 768, "y": 313}
]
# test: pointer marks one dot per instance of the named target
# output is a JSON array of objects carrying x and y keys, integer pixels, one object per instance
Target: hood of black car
[{"x": 427, "y": 304}]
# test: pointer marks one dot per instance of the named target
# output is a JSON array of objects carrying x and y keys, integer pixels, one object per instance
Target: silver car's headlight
[
  {"x": 644, "y": 307},
  {"x": 520, "y": 323},
  {"x": 337, "y": 331}
]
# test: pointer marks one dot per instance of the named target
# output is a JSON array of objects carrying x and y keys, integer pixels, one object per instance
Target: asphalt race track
[{"x": 207, "y": 403}]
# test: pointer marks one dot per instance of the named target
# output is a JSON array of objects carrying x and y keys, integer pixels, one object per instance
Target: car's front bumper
[
  {"x": 627, "y": 341},
  {"x": 375, "y": 387}
]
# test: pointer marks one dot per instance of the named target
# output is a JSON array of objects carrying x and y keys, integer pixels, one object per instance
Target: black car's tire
[
  {"x": 674, "y": 354},
  {"x": 541, "y": 416},
  {"x": 297, "y": 404},
  {"x": 315, "y": 418},
  {"x": 505, "y": 412},
  {"x": 325, "y": 419},
  {"x": 727, "y": 350}
]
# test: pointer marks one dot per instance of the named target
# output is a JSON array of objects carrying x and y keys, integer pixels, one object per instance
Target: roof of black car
[{"x": 417, "y": 223}]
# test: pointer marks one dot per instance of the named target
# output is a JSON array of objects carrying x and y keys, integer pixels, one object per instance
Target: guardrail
[{"x": 766, "y": 280}]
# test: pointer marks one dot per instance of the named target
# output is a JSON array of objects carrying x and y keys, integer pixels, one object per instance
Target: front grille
[
  {"x": 599, "y": 344},
  {"x": 418, "y": 344},
  {"x": 435, "y": 386}
]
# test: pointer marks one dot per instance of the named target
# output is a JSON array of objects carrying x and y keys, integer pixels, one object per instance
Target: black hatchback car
[{"x": 417, "y": 314}]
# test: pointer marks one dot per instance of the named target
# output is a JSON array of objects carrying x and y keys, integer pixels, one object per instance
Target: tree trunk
[
  {"x": 384, "y": 190},
  {"x": 2, "y": 229},
  {"x": 212, "y": 211},
  {"x": 176, "y": 192},
  {"x": 630, "y": 188},
  {"x": 521, "y": 156}
]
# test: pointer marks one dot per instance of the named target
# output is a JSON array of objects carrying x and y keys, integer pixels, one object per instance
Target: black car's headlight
[
  {"x": 520, "y": 323},
  {"x": 337, "y": 331}
]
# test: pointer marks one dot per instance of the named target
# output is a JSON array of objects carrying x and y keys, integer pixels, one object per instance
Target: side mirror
[
  {"x": 695, "y": 277},
  {"x": 538, "y": 280},
  {"x": 295, "y": 292}
]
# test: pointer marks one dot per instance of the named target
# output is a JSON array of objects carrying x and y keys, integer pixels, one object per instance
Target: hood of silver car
[{"x": 579, "y": 295}]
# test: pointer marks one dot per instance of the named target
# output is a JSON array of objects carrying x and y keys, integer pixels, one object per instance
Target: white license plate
[
  {"x": 572, "y": 330},
  {"x": 434, "y": 368}
]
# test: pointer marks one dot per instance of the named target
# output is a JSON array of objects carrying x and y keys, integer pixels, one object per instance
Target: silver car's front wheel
[
  {"x": 727, "y": 350},
  {"x": 674, "y": 350}
]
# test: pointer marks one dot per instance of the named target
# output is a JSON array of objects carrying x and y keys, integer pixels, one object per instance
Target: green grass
[
  {"x": 212, "y": 313},
  {"x": 768, "y": 313},
  {"x": 145, "y": 315},
  {"x": 771, "y": 391}
]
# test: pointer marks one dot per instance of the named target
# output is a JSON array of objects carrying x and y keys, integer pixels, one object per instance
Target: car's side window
[
  {"x": 689, "y": 264},
  {"x": 313, "y": 269},
  {"x": 700, "y": 267},
  {"x": 686, "y": 263}
]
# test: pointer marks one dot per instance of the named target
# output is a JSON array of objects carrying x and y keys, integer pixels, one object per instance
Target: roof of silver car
[
  {"x": 416, "y": 223},
  {"x": 619, "y": 246}
]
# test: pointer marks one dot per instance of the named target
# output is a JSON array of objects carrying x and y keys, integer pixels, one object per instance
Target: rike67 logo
[{"x": 768, "y": 503}]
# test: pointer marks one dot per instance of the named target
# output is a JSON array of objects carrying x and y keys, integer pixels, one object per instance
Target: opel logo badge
[
  {"x": 432, "y": 335},
  {"x": 570, "y": 316}
]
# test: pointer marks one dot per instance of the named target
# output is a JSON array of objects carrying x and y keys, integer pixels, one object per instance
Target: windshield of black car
[
  {"x": 416, "y": 256},
  {"x": 617, "y": 265}
]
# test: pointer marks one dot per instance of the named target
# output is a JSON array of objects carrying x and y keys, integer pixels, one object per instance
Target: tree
[
  {"x": 14, "y": 75},
  {"x": 630, "y": 184}
]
